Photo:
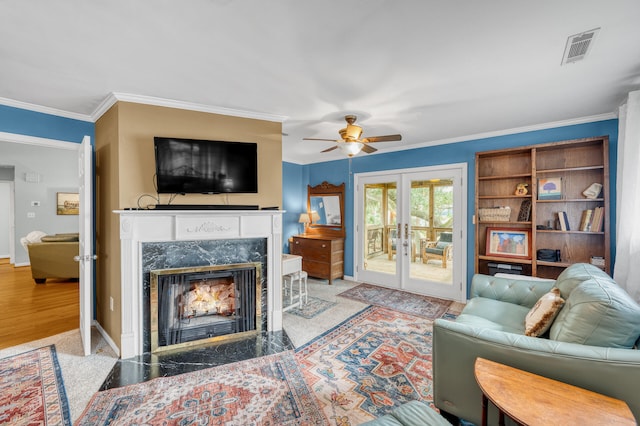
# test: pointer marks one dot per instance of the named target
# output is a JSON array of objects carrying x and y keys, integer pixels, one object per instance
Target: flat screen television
[{"x": 190, "y": 166}]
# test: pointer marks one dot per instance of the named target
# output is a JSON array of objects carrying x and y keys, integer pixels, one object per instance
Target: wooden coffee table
[{"x": 530, "y": 399}]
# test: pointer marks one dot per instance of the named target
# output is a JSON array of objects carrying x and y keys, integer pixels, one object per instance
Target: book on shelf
[
  {"x": 601, "y": 220},
  {"x": 564, "y": 221},
  {"x": 585, "y": 221},
  {"x": 598, "y": 218},
  {"x": 563, "y": 226},
  {"x": 594, "y": 220}
]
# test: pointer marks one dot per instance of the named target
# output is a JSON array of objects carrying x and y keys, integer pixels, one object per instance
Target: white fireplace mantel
[{"x": 140, "y": 226}]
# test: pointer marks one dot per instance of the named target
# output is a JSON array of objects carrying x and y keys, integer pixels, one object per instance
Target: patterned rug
[
  {"x": 263, "y": 391},
  {"x": 313, "y": 307},
  {"x": 414, "y": 304},
  {"x": 370, "y": 364},
  {"x": 31, "y": 389}
]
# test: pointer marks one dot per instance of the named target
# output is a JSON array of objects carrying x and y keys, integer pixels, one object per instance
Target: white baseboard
[{"x": 107, "y": 338}]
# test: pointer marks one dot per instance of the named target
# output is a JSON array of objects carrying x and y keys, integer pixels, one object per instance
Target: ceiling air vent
[{"x": 578, "y": 46}]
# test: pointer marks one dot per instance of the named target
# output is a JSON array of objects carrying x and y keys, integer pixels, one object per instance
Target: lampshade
[
  {"x": 315, "y": 217},
  {"x": 350, "y": 148},
  {"x": 304, "y": 218}
]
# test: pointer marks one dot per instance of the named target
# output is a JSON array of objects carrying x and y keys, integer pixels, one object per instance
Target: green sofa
[{"x": 592, "y": 343}]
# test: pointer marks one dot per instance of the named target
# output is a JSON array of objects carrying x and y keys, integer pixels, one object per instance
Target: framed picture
[
  {"x": 550, "y": 188},
  {"x": 67, "y": 203},
  {"x": 509, "y": 242}
]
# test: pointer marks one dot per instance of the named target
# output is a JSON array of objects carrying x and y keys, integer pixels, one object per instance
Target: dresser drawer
[
  {"x": 321, "y": 257},
  {"x": 317, "y": 269}
]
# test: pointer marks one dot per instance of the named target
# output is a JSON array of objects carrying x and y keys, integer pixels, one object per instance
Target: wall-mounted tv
[{"x": 190, "y": 166}]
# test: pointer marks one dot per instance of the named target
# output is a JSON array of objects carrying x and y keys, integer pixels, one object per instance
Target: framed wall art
[
  {"x": 67, "y": 203},
  {"x": 509, "y": 242},
  {"x": 550, "y": 188}
]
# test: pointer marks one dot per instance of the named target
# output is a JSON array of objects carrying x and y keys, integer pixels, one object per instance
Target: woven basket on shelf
[{"x": 495, "y": 214}]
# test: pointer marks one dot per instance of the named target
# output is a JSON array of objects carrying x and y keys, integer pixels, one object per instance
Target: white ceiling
[{"x": 434, "y": 71}]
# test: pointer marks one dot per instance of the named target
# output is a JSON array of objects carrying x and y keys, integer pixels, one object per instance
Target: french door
[{"x": 410, "y": 231}]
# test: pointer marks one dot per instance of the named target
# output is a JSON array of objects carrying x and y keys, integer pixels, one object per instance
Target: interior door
[
  {"x": 86, "y": 257},
  {"x": 402, "y": 213}
]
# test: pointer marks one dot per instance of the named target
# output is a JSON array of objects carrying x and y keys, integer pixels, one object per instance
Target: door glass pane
[
  {"x": 420, "y": 200},
  {"x": 432, "y": 225},
  {"x": 380, "y": 227}
]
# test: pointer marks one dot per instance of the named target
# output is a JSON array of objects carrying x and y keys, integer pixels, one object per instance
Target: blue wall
[
  {"x": 294, "y": 199},
  {"x": 30, "y": 123},
  {"x": 339, "y": 171}
]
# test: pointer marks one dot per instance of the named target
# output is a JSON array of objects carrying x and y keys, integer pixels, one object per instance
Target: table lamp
[{"x": 304, "y": 219}]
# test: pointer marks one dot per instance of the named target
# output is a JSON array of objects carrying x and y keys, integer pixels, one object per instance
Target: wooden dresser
[{"x": 322, "y": 256}]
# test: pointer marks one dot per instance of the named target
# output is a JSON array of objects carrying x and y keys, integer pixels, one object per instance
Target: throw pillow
[
  {"x": 540, "y": 317},
  {"x": 32, "y": 237}
]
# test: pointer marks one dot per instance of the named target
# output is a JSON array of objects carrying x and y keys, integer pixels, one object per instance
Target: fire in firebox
[{"x": 209, "y": 299}]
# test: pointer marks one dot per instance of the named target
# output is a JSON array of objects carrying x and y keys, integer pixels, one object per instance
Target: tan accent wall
[
  {"x": 107, "y": 224},
  {"x": 125, "y": 169}
]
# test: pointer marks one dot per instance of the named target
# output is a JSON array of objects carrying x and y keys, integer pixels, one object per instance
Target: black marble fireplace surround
[{"x": 181, "y": 254}]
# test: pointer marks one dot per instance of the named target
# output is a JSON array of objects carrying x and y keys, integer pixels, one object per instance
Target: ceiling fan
[{"x": 351, "y": 144}]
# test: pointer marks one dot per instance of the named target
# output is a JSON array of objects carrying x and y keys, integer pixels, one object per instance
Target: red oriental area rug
[
  {"x": 31, "y": 389},
  {"x": 414, "y": 304},
  {"x": 269, "y": 390},
  {"x": 370, "y": 364}
]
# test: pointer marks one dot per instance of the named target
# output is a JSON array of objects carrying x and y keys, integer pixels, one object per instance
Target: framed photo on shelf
[
  {"x": 67, "y": 203},
  {"x": 509, "y": 242},
  {"x": 550, "y": 188}
]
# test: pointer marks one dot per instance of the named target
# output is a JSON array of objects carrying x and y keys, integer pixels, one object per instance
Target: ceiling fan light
[{"x": 350, "y": 148}]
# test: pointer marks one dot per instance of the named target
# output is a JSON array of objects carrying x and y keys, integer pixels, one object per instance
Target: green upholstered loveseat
[{"x": 592, "y": 343}]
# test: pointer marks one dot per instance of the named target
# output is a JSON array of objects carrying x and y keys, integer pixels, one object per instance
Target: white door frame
[
  {"x": 86, "y": 257},
  {"x": 458, "y": 290},
  {"x": 72, "y": 146}
]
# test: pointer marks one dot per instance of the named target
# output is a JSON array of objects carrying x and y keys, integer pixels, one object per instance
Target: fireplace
[
  {"x": 191, "y": 306},
  {"x": 153, "y": 241}
]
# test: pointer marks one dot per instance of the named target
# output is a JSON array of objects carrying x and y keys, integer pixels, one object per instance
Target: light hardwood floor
[{"x": 30, "y": 311}]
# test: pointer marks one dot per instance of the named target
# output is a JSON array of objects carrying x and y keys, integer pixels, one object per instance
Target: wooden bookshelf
[{"x": 574, "y": 165}]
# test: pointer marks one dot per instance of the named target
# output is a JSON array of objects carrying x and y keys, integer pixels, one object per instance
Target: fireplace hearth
[{"x": 194, "y": 306}]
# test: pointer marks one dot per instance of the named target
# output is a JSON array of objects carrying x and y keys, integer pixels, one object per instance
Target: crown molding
[
  {"x": 45, "y": 110},
  {"x": 114, "y": 97},
  {"x": 512, "y": 131}
]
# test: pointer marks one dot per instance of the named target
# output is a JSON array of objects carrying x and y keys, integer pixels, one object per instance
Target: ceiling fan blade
[
  {"x": 316, "y": 139},
  {"x": 387, "y": 138},
  {"x": 368, "y": 149},
  {"x": 330, "y": 149}
]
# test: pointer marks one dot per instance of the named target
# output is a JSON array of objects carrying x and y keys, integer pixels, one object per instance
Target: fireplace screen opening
[{"x": 191, "y": 306}]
